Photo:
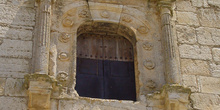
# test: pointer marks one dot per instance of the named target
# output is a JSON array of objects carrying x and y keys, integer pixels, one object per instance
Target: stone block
[
  {"x": 12, "y": 67},
  {"x": 215, "y": 70},
  {"x": 26, "y": 3},
  {"x": 209, "y": 84},
  {"x": 22, "y": 16},
  {"x": 16, "y": 34},
  {"x": 54, "y": 104},
  {"x": 13, "y": 103},
  {"x": 194, "y": 67},
  {"x": 14, "y": 87},
  {"x": 190, "y": 81},
  {"x": 209, "y": 17},
  {"x": 68, "y": 104},
  {"x": 184, "y": 6},
  {"x": 200, "y": 3},
  {"x": 3, "y": 1},
  {"x": 205, "y": 101},
  {"x": 195, "y": 52},
  {"x": 2, "y": 85},
  {"x": 186, "y": 34},
  {"x": 16, "y": 48},
  {"x": 214, "y": 3},
  {"x": 187, "y": 18},
  {"x": 208, "y": 36},
  {"x": 216, "y": 54}
]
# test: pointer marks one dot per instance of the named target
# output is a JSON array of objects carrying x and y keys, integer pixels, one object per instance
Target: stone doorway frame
[{"x": 46, "y": 64}]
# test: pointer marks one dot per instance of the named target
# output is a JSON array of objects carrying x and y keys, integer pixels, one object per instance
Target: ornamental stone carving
[
  {"x": 105, "y": 14},
  {"x": 64, "y": 37},
  {"x": 63, "y": 56},
  {"x": 149, "y": 64},
  {"x": 126, "y": 18},
  {"x": 83, "y": 13},
  {"x": 151, "y": 84},
  {"x": 62, "y": 76},
  {"x": 148, "y": 46},
  {"x": 143, "y": 29},
  {"x": 67, "y": 22}
]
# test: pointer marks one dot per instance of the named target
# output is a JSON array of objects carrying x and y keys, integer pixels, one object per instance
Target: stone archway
[{"x": 61, "y": 37}]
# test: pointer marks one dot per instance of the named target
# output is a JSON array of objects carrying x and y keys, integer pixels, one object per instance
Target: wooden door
[{"x": 105, "y": 67}]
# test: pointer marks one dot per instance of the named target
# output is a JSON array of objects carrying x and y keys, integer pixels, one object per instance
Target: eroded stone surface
[
  {"x": 187, "y": 18},
  {"x": 186, "y": 34},
  {"x": 195, "y": 52},
  {"x": 209, "y": 18},
  {"x": 194, "y": 67},
  {"x": 209, "y": 85},
  {"x": 14, "y": 87},
  {"x": 205, "y": 101},
  {"x": 208, "y": 36},
  {"x": 2, "y": 85},
  {"x": 13, "y": 103},
  {"x": 215, "y": 69},
  {"x": 216, "y": 54},
  {"x": 12, "y": 67},
  {"x": 190, "y": 81}
]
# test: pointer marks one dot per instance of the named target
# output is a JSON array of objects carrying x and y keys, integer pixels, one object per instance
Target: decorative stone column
[
  {"x": 40, "y": 84},
  {"x": 172, "y": 71},
  {"x": 42, "y": 37}
]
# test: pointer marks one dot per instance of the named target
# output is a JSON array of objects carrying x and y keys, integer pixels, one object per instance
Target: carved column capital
[{"x": 165, "y": 6}]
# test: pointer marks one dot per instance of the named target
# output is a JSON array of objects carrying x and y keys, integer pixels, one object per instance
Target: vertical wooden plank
[{"x": 109, "y": 47}]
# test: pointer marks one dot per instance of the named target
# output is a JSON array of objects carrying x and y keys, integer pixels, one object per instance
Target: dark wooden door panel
[
  {"x": 119, "y": 80},
  {"x": 89, "y": 78},
  {"x": 105, "y": 67}
]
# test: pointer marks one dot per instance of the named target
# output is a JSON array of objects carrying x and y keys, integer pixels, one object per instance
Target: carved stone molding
[
  {"x": 148, "y": 46},
  {"x": 149, "y": 64}
]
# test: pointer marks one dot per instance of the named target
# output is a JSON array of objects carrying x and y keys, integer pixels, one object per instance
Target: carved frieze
[
  {"x": 64, "y": 37},
  {"x": 148, "y": 46},
  {"x": 63, "y": 56},
  {"x": 105, "y": 14},
  {"x": 149, "y": 64}
]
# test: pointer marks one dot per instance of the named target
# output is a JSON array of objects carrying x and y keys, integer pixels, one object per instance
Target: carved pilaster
[
  {"x": 169, "y": 45},
  {"x": 42, "y": 37}
]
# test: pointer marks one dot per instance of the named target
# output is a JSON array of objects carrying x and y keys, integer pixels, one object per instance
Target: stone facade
[{"x": 176, "y": 44}]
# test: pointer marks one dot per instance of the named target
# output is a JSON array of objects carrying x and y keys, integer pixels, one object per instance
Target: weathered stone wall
[
  {"x": 197, "y": 27},
  {"x": 17, "y": 20}
]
